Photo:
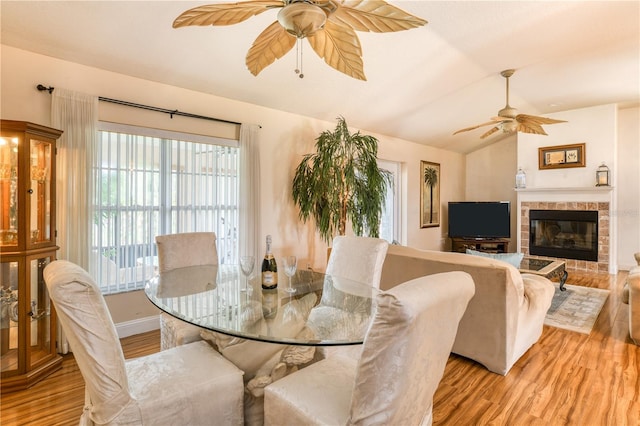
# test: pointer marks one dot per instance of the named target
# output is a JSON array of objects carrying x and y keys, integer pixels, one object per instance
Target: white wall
[
  {"x": 595, "y": 127},
  {"x": 611, "y": 136},
  {"x": 491, "y": 172},
  {"x": 284, "y": 138},
  {"x": 628, "y": 184}
]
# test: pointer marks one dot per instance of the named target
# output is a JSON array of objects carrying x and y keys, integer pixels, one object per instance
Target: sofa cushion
[{"x": 512, "y": 258}]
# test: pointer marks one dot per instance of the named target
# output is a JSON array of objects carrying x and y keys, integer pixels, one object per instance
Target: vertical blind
[{"x": 151, "y": 182}]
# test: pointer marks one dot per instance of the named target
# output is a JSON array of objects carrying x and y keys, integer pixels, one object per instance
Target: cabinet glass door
[
  {"x": 39, "y": 312},
  {"x": 40, "y": 156},
  {"x": 9, "y": 191},
  {"x": 9, "y": 325}
]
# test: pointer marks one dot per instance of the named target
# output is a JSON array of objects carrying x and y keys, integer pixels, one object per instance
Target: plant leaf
[
  {"x": 339, "y": 46},
  {"x": 273, "y": 43},
  {"x": 377, "y": 16},
  {"x": 224, "y": 14},
  {"x": 341, "y": 181}
]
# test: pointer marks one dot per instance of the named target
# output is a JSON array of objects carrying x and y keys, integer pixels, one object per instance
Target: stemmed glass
[
  {"x": 247, "y": 263},
  {"x": 290, "y": 266}
]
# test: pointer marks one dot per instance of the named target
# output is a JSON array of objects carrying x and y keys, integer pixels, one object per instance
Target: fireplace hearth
[{"x": 564, "y": 234}]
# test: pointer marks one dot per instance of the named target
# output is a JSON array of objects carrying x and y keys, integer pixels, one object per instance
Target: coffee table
[{"x": 546, "y": 268}]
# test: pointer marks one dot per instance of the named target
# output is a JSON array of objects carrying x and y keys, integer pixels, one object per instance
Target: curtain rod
[{"x": 171, "y": 113}]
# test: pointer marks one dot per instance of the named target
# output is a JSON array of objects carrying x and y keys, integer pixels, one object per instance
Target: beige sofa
[
  {"x": 631, "y": 296},
  {"x": 504, "y": 318}
]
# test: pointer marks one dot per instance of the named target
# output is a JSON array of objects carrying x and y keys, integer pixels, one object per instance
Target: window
[
  {"x": 390, "y": 220},
  {"x": 152, "y": 183}
]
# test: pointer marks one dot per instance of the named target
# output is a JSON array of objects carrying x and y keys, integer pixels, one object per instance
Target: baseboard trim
[{"x": 138, "y": 326}]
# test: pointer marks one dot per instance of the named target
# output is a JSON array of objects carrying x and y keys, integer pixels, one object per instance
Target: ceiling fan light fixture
[
  {"x": 509, "y": 126},
  {"x": 302, "y": 19}
]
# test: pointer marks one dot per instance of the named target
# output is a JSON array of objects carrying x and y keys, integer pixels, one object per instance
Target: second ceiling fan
[{"x": 508, "y": 120}]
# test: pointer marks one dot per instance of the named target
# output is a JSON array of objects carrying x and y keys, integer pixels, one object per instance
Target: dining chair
[
  {"x": 353, "y": 258},
  {"x": 180, "y": 251},
  {"x": 190, "y": 384},
  {"x": 357, "y": 258},
  {"x": 401, "y": 364}
]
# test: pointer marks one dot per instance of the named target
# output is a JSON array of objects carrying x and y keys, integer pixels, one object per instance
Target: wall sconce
[{"x": 602, "y": 175}]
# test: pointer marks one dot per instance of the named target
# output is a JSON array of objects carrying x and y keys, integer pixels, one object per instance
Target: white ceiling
[{"x": 423, "y": 84}]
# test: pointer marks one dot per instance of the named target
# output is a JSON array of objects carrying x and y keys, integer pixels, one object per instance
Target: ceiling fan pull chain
[
  {"x": 297, "y": 70},
  {"x": 299, "y": 58}
]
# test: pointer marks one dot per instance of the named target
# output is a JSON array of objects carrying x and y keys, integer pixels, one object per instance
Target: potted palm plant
[{"x": 341, "y": 182}]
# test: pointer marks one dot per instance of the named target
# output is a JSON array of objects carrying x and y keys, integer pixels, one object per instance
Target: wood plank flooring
[{"x": 567, "y": 378}]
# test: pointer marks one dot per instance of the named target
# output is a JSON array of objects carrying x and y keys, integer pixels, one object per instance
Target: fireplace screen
[{"x": 564, "y": 234}]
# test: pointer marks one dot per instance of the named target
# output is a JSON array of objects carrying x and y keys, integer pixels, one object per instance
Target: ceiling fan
[
  {"x": 508, "y": 119},
  {"x": 329, "y": 25}
]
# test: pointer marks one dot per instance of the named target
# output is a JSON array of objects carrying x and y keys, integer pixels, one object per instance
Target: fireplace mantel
[
  {"x": 598, "y": 194},
  {"x": 576, "y": 189}
]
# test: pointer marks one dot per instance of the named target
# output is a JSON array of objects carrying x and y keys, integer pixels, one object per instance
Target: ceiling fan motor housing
[
  {"x": 302, "y": 19},
  {"x": 508, "y": 112}
]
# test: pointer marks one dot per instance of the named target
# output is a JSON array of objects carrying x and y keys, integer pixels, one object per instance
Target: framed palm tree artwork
[{"x": 429, "y": 194}]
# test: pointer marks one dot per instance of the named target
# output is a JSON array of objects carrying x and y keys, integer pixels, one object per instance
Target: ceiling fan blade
[
  {"x": 494, "y": 120},
  {"x": 530, "y": 127},
  {"x": 339, "y": 46},
  {"x": 377, "y": 16},
  {"x": 225, "y": 13},
  {"x": 273, "y": 43},
  {"x": 490, "y": 132},
  {"x": 525, "y": 118}
]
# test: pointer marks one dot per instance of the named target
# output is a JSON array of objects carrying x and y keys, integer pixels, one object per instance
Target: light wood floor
[{"x": 567, "y": 378}]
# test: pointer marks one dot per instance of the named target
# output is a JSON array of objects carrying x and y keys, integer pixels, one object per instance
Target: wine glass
[
  {"x": 247, "y": 264},
  {"x": 290, "y": 266}
]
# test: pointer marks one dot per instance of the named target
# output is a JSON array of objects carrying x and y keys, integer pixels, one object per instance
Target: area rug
[{"x": 576, "y": 309}]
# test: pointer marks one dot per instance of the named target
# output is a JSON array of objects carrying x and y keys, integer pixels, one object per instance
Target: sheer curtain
[
  {"x": 249, "y": 229},
  {"x": 77, "y": 115}
]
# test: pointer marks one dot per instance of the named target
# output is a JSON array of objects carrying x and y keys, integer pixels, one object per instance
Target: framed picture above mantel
[
  {"x": 429, "y": 194},
  {"x": 561, "y": 156}
]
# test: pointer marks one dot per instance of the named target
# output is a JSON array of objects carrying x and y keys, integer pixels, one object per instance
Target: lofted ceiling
[{"x": 422, "y": 84}]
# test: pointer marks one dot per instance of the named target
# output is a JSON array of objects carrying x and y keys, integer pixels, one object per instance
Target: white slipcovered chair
[
  {"x": 354, "y": 258},
  {"x": 357, "y": 258},
  {"x": 188, "y": 385},
  {"x": 402, "y": 362},
  {"x": 180, "y": 251}
]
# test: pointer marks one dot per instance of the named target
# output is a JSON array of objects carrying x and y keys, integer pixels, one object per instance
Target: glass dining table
[{"x": 324, "y": 310}]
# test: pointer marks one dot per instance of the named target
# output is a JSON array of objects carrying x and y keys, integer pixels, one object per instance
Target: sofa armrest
[{"x": 538, "y": 291}]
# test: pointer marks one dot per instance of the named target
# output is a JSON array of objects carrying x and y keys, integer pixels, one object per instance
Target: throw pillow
[{"x": 512, "y": 258}]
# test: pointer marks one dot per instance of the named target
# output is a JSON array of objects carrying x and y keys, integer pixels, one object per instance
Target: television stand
[{"x": 487, "y": 245}]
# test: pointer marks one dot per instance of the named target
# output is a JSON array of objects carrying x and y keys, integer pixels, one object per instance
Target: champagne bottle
[{"x": 269, "y": 268}]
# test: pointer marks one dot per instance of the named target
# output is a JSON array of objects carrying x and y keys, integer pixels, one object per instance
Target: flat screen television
[{"x": 479, "y": 219}]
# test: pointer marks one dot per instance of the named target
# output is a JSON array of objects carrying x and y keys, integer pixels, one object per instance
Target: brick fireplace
[
  {"x": 582, "y": 199},
  {"x": 602, "y": 264}
]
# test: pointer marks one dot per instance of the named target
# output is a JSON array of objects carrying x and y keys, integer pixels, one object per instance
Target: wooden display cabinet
[{"x": 27, "y": 244}]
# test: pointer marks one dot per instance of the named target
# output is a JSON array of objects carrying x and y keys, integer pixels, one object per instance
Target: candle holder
[{"x": 602, "y": 175}]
